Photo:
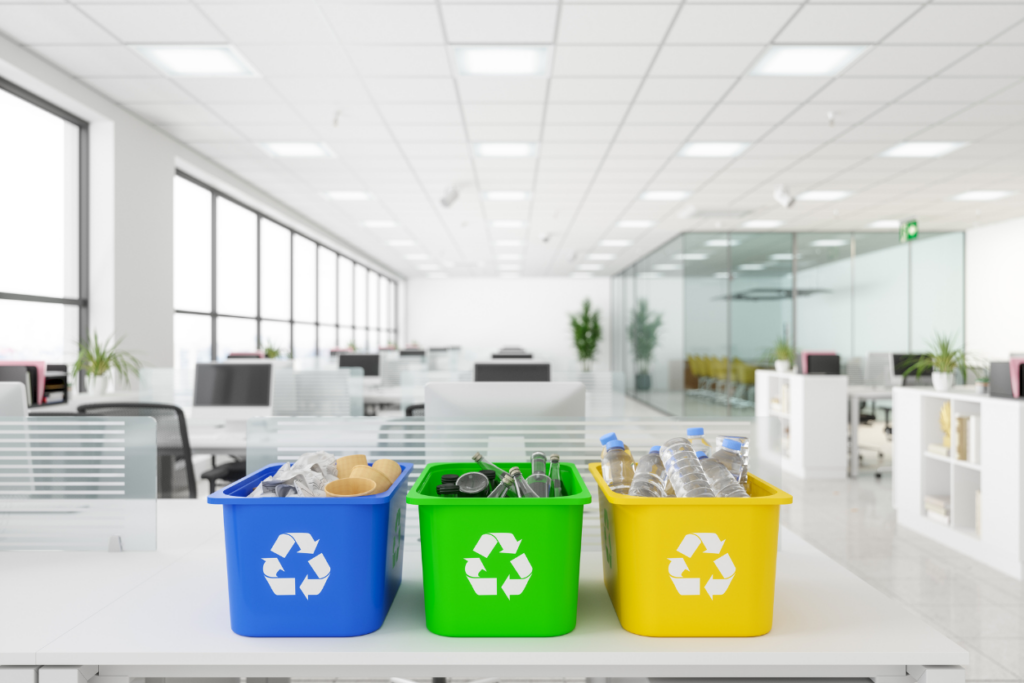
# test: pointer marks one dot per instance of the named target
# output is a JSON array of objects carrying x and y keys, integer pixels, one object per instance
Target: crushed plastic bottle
[
  {"x": 729, "y": 455},
  {"x": 617, "y": 467},
  {"x": 684, "y": 470},
  {"x": 484, "y": 462},
  {"x": 556, "y": 475},
  {"x": 523, "y": 490},
  {"x": 648, "y": 479},
  {"x": 501, "y": 490},
  {"x": 721, "y": 480}
]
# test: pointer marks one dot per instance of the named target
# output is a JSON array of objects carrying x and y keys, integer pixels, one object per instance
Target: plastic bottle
[
  {"x": 501, "y": 490},
  {"x": 610, "y": 436},
  {"x": 473, "y": 485},
  {"x": 523, "y": 489},
  {"x": 617, "y": 467},
  {"x": 484, "y": 462},
  {"x": 647, "y": 480},
  {"x": 697, "y": 440},
  {"x": 684, "y": 470},
  {"x": 729, "y": 455},
  {"x": 556, "y": 476},
  {"x": 721, "y": 480},
  {"x": 666, "y": 483}
]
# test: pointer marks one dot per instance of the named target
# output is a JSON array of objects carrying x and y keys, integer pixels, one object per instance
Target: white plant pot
[
  {"x": 942, "y": 381},
  {"x": 782, "y": 366}
]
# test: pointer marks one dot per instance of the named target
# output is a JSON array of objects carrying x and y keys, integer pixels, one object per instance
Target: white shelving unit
[
  {"x": 812, "y": 410},
  {"x": 985, "y": 513}
]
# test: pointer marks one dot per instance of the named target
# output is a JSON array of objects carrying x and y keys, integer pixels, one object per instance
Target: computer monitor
[
  {"x": 504, "y": 400},
  {"x": 512, "y": 372},
  {"x": 232, "y": 392},
  {"x": 369, "y": 362},
  {"x": 822, "y": 365},
  {"x": 511, "y": 354},
  {"x": 902, "y": 361},
  {"x": 412, "y": 352}
]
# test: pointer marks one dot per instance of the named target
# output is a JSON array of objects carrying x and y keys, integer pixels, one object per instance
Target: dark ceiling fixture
[{"x": 772, "y": 294}]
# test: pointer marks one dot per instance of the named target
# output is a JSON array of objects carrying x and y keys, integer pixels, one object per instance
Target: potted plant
[
  {"x": 586, "y": 331},
  {"x": 783, "y": 355},
  {"x": 943, "y": 360},
  {"x": 101, "y": 361},
  {"x": 643, "y": 333},
  {"x": 981, "y": 384},
  {"x": 271, "y": 351}
]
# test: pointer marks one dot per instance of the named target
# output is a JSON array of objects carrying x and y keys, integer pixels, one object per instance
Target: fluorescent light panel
[
  {"x": 713, "y": 149},
  {"x": 633, "y": 224},
  {"x": 917, "y": 150},
  {"x": 752, "y": 266},
  {"x": 668, "y": 266},
  {"x": 615, "y": 243},
  {"x": 721, "y": 243},
  {"x": 691, "y": 257},
  {"x": 781, "y": 257},
  {"x": 885, "y": 223},
  {"x": 197, "y": 61},
  {"x": 829, "y": 243},
  {"x": 806, "y": 60},
  {"x": 505, "y": 149},
  {"x": 982, "y": 196},
  {"x": 722, "y": 276},
  {"x": 763, "y": 223},
  {"x": 822, "y": 195},
  {"x": 664, "y": 196},
  {"x": 486, "y": 60},
  {"x": 296, "y": 150}
]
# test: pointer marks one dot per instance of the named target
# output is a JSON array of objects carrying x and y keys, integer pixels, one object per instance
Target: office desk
[
  {"x": 217, "y": 440},
  {"x": 165, "y": 614},
  {"x": 856, "y": 395}
]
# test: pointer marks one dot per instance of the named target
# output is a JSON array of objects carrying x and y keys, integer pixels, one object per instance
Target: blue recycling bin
[{"x": 312, "y": 566}]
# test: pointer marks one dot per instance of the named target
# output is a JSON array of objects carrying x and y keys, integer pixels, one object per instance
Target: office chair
[
  {"x": 415, "y": 410},
  {"x": 172, "y": 444}
]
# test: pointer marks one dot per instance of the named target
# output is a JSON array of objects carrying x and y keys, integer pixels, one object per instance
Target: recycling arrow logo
[
  {"x": 285, "y": 585},
  {"x": 690, "y": 585},
  {"x": 486, "y": 585}
]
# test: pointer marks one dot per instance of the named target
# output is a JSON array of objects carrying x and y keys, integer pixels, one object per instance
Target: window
[
  {"x": 43, "y": 285},
  {"x": 243, "y": 282}
]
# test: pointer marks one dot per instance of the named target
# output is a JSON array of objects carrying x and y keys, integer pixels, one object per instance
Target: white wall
[
  {"x": 481, "y": 315},
  {"x": 994, "y": 280}
]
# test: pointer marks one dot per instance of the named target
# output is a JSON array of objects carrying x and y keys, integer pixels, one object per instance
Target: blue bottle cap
[
  {"x": 701, "y": 455},
  {"x": 654, "y": 449},
  {"x": 607, "y": 437},
  {"x": 732, "y": 444},
  {"x": 614, "y": 443},
  {"x": 695, "y": 431}
]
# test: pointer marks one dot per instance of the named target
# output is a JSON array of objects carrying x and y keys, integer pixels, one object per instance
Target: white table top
[{"x": 166, "y": 613}]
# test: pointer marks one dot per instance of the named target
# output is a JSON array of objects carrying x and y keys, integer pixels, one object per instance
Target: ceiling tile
[
  {"x": 602, "y": 61},
  {"x": 50, "y": 25},
  {"x": 404, "y": 61},
  {"x": 227, "y": 90},
  {"x": 740, "y": 113},
  {"x": 171, "y": 114},
  {"x": 495, "y": 89},
  {"x": 684, "y": 89},
  {"x": 270, "y": 23},
  {"x": 412, "y": 90},
  {"x": 341, "y": 91},
  {"x": 733, "y": 133},
  {"x": 204, "y": 133},
  {"x": 571, "y": 133},
  {"x": 274, "y": 132},
  {"x": 957, "y": 89},
  {"x": 499, "y": 23},
  {"x": 1000, "y": 60},
  {"x": 704, "y": 60},
  {"x": 256, "y": 113},
  {"x": 619, "y": 24},
  {"x": 376, "y": 24},
  {"x": 668, "y": 113},
  {"x": 658, "y": 133},
  {"x": 593, "y": 89},
  {"x": 891, "y": 61},
  {"x": 576, "y": 114},
  {"x": 155, "y": 23},
  {"x": 732, "y": 24},
  {"x": 503, "y": 113},
  {"x": 505, "y": 132},
  {"x": 964, "y": 24},
  {"x": 758, "y": 89},
  {"x": 139, "y": 90},
  {"x": 298, "y": 60},
  {"x": 99, "y": 60},
  {"x": 822, "y": 23},
  {"x": 429, "y": 114},
  {"x": 878, "y": 90},
  {"x": 990, "y": 113},
  {"x": 915, "y": 113},
  {"x": 413, "y": 133}
]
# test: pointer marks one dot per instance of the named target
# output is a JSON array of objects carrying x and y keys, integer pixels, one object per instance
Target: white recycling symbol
[
  {"x": 483, "y": 585},
  {"x": 691, "y": 585},
  {"x": 285, "y": 585}
]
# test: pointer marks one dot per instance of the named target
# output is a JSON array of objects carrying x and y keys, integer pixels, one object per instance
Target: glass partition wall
[{"x": 694, "y": 319}]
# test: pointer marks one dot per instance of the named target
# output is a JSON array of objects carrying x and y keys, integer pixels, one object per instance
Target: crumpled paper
[{"x": 305, "y": 478}]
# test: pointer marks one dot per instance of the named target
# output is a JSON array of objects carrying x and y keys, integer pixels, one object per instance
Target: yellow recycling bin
[{"x": 700, "y": 567}]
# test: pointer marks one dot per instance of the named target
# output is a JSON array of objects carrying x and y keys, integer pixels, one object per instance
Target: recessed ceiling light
[
  {"x": 378, "y": 224},
  {"x": 508, "y": 243},
  {"x": 634, "y": 224},
  {"x": 668, "y": 266},
  {"x": 615, "y": 243},
  {"x": 502, "y": 61},
  {"x": 417, "y": 257},
  {"x": 762, "y": 224},
  {"x": 505, "y": 149},
  {"x": 751, "y": 266},
  {"x": 507, "y": 224},
  {"x": 721, "y": 243},
  {"x": 664, "y": 196},
  {"x": 401, "y": 243},
  {"x": 509, "y": 266},
  {"x": 713, "y": 149},
  {"x": 982, "y": 196},
  {"x": 510, "y": 257},
  {"x": 781, "y": 257},
  {"x": 923, "y": 149},
  {"x": 428, "y": 266},
  {"x": 822, "y": 195},
  {"x": 829, "y": 243},
  {"x": 505, "y": 196},
  {"x": 885, "y": 223},
  {"x": 806, "y": 60},
  {"x": 722, "y": 276},
  {"x": 296, "y": 150},
  {"x": 691, "y": 257},
  {"x": 601, "y": 257},
  {"x": 589, "y": 266},
  {"x": 351, "y": 196},
  {"x": 197, "y": 61}
]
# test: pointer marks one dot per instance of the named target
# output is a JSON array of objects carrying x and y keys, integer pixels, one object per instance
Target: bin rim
[
  {"x": 226, "y": 496},
  {"x": 776, "y": 497},
  {"x": 417, "y": 497}
]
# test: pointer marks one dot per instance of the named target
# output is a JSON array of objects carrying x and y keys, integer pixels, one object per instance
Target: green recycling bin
[{"x": 500, "y": 566}]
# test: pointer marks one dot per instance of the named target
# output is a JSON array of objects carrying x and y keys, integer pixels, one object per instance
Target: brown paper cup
[
  {"x": 389, "y": 468},
  {"x": 382, "y": 482},
  {"x": 347, "y": 462},
  {"x": 349, "y": 488}
]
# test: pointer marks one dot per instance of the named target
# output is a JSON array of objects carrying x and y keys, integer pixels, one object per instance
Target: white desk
[
  {"x": 165, "y": 614},
  {"x": 858, "y": 394}
]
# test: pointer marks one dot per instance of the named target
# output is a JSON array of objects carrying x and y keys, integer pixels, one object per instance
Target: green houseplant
[
  {"x": 271, "y": 351},
  {"x": 782, "y": 354},
  {"x": 586, "y": 332},
  {"x": 643, "y": 334},
  {"x": 101, "y": 361},
  {"x": 943, "y": 359}
]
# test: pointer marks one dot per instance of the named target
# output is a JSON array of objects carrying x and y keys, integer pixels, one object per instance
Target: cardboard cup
[
  {"x": 389, "y": 468},
  {"x": 347, "y": 462},
  {"x": 349, "y": 488},
  {"x": 382, "y": 482}
]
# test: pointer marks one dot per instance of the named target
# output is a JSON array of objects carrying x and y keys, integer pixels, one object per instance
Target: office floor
[{"x": 677, "y": 404}]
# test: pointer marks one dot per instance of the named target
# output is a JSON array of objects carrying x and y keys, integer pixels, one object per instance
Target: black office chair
[
  {"x": 229, "y": 472},
  {"x": 172, "y": 444},
  {"x": 415, "y": 410}
]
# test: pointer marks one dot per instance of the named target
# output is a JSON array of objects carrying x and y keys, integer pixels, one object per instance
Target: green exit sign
[{"x": 908, "y": 231}]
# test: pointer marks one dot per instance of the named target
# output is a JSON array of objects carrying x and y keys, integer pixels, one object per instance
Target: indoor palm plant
[
  {"x": 101, "y": 361},
  {"x": 782, "y": 354},
  {"x": 943, "y": 359},
  {"x": 643, "y": 334},
  {"x": 586, "y": 331}
]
